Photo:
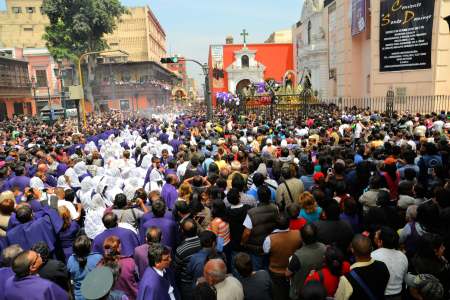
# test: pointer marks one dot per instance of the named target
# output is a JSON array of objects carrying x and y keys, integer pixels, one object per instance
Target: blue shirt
[
  {"x": 312, "y": 217},
  {"x": 308, "y": 181},
  {"x": 253, "y": 192},
  {"x": 77, "y": 274},
  {"x": 196, "y": 264}
]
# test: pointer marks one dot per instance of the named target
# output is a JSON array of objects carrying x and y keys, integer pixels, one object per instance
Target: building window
[
  {"x": 28, "y": 29},
  {"x": 16, "y": 10},
  {"x": 245, "y": 61},
  {"x": 41, "y": 78},
  {"x": 114, "y": 44},
  {"x": 30, "y": 10},
  {"x": 309, "y": 32}
]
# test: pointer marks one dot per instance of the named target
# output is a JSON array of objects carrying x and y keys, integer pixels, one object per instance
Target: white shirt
[
  {"x": 248, "y": 223},
  {"x": 358, "y": 130},
  {"x": 267, "y": 243},
  {"x": 397, "y": 264},
  {"x": 182, "y": 169},
  {"x": 170, "y": 292}
]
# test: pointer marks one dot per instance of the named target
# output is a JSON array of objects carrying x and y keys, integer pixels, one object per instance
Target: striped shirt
[
  {"x": 221, "y": 229},
  {"x": 183, "y": 254}
]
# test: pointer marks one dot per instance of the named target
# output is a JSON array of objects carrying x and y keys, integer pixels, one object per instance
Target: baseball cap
[
  {"x": 97, "y": 283},
  {"x": 390, "y": 161},
  {"x": 429, "y": 286}
]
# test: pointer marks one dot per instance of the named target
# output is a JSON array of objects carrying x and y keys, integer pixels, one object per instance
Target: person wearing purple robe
[
  {"x": 26, "y": 285},
  {"x": 164, "y": 137},
  {"x": 153, "y": 236},
  {"x": 18, "y": 180},
  {"x": 168, "y": 227},
  {"x": 8, "y": 255},
  {"x": 31, "y": 230},
  {"x": 148, "y": 216},
  {"x": 128, "y": 239},
  {"x": 175, "y": 143},
  {"x": 158, "y": 282},
  {"x": 61, "y": 169},
  {"x": 68, "y": 232},
  {"x": 169, "y": 192}
]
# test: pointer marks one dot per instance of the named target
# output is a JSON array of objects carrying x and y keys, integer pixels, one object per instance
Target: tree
[{"x": 79, "y": 26}]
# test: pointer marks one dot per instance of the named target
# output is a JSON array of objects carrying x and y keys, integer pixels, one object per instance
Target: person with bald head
[
  {"x": 49, "y": 179},
  {"x": 128, "y": 239},
  {"x": 368, "y": 278},
  {"x": 169, "y": 191},
  {"x": 26, "y": 284},
  {"x": 7, "y": 257},
  {"x": 227, "y": 287}
]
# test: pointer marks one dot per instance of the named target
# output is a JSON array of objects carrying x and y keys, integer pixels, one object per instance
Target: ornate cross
[{"x": 244, "y": 34}]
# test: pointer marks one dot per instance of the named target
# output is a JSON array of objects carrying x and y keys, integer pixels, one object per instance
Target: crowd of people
[{"x": 342, "y": 205}]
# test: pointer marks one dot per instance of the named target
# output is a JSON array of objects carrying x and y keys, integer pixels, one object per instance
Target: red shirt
[
  {"x": 297, "y": 224},
  {"x": 330, "y": 281}
]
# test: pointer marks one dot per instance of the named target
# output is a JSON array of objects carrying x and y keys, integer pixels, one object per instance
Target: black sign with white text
[{"x": 406, "y": 29}]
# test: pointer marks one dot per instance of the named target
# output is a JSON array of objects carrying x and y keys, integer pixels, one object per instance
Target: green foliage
[{"x": 78, "y": 26}]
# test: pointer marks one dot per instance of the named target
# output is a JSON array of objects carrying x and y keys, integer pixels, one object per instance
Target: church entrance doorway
[{"x": 242, "y": 87}]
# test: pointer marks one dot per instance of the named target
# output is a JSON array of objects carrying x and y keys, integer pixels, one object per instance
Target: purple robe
[
  {"x": 39, "y": 211},
  {"x": 5, "y": 273},
  {"x": 20, "y": 181},
  {"x": 61, "y": 169},
  {"x": 33, "y": 287},
  {"x": 128, "y": 240},
  {"x": 51, "y": 181},
  {"x": 169, "y": 194},
  {"x": 67, "y": 237},
  {"x": 148, "y": 216},
  {"x": 141, "y": 258},
  {"x": 168, "y": 228},
  {"x": 127, "y": 282},
  {"x": 44, "y": 228},
  {"x": 175, "y": 143},
  {"x": 155, "y": 287}
]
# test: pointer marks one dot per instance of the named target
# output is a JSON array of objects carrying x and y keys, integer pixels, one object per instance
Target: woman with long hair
[
  {"x": 310, "y": 211},
  {"x": 68, "y": 232},
  {"x": 81, "y": 262},
  {"x": 127, "y": 281}
]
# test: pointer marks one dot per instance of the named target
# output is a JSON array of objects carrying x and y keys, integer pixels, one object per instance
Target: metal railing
[{"x": 299, "y": 106}]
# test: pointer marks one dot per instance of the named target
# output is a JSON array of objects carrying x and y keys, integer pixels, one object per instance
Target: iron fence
[
  {"x": 401, "y": 104},
  {"x": 300, "y": 106}
]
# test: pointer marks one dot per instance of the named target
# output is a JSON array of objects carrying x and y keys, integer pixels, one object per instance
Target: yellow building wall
[
  {"x": 24, "y": 29},
  {"x": 137, "y": 33}
]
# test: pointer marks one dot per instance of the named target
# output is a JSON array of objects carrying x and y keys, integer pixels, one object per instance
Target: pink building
[{"x": 345, "y": 53}]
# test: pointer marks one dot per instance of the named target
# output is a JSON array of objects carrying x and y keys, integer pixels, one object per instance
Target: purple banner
[{"x": 358, "y": 16}]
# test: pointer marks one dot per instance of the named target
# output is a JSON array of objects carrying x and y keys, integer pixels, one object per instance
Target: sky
[{"x": 192, "y": 25}]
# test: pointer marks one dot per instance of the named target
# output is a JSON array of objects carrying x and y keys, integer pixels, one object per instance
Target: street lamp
[
  {"x": 33, "y": 86},
  {"x": 80, "y": 76}
]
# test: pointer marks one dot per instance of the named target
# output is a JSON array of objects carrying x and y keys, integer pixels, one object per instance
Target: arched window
[
  {"x": 309, "y": 32},
  {"x": 244, "y": 61}
]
